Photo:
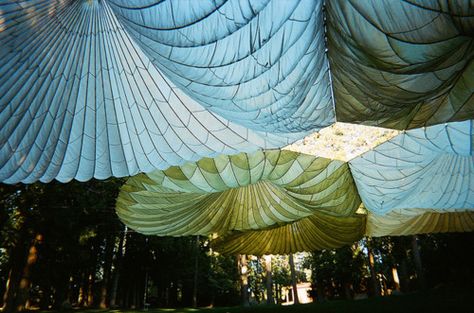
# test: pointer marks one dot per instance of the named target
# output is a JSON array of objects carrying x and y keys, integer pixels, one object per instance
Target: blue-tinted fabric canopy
[
  {"x": 113, "y": 87},
  {"x": 261, "y": 64},
  {"x": 79, "y": 99},
  {"x": 431, "y": 169}
]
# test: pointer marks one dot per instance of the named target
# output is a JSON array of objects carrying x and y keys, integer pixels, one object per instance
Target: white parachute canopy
[{"x": 115, "y": 87}]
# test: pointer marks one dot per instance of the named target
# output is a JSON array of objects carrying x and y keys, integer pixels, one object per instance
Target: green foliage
[
  {"x": 223, "y": 280},
  {"x": 447, "y": 258},
  {"x": 339, "y": 272},
  {"x": 281, "y": 271},
  {"x": 81, "y": 236},
  {"x": 79, "y": 257}
]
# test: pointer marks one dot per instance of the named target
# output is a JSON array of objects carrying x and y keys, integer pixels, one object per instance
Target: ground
[{"x": 442, "y": 299}]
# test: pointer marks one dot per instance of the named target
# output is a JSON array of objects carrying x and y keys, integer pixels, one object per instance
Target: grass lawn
[{"x": 449, "y": 300}]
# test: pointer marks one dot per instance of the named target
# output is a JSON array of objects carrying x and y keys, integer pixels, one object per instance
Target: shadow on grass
[{"x": 446, "y": 299}]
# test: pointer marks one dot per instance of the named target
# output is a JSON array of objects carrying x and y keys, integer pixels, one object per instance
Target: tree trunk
[
  {"x": 396, "y": 280},
  {"x": 320, "y": 294},
  {"x": 109, "y": 253},
  {"x": 293, "y": 280},
  {"x": 268, "y": 270},
  {"x": 418, "y": 265},
  {"x": 18, "y": 285},
  {"x": 18, "y": 256},
  {"x": 90, "y": 287},
  {"x": 134, "y": 304},
  {"x": 118, "y": 266},
  {"x": 145, "y": 290},
  {"x": 347, "y": 290},
  {"x": 277, "y": 293},
  {"x": 243, "y": 270},
  {"x": 63, "y": 290},
  {"x": 81, "y": 297},
  {"x": 25, "y": 282},
  {"x": 373, "y": 274},
  {"x": 11, "y": 288},
  {"x": 404, "y": 280},
  {"x": 196, "y": 270},
  {"x": 68, "y": 294},
  {"x": 167, "y": 296},
  {"x": 92, "y": 272}
]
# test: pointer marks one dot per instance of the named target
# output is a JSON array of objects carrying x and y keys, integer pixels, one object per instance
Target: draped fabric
[
  {"x": 427, "y": 168},
  {"x": 114, "y": 88},
  {"x": 279, "y": 201},
  {"x": 316, "y": 232},
  {"x": 418, "y": 221},
  {"x": 420, "y": 181},
  {"x": 190, "y": 92},
  {"x": 79, "y": 99},
  {"x": 240, "y": 192},
  {"x": 259, "y": 63},
  {"x": 402, "y": 64},
  {"x": 322, "y": 231}
]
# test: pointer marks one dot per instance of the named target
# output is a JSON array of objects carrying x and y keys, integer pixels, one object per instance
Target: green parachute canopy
[
  {"x": 280, "y": 201},
  {"x": 322, "y": 231},
  {"x": 238, "y": 192},
  {"x": 316, "y": 232}
]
